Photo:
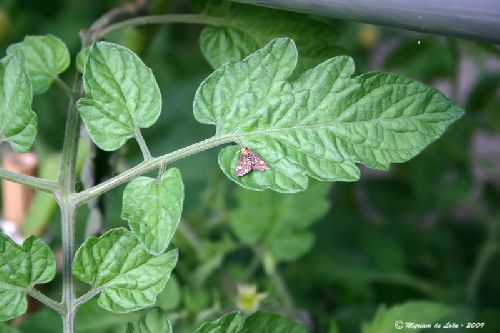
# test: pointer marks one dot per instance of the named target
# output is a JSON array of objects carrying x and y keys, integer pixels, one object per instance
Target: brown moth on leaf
[{"x": 249, "y": 161}]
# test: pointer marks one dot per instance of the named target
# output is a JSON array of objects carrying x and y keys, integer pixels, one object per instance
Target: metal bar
[{"x": 471, "y": 19}]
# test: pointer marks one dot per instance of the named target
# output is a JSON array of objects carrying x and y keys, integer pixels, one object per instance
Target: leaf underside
[
  {"x": 128, "y": 277},
  {"x": 18, "y": 123},
  {"x": 121, "y": 95},
  {"x": 153, "y": 209},
  {"x": 320, "y": 125},
  {"x": 45, "y": 56},
  {"x": 22, "y": 268}
]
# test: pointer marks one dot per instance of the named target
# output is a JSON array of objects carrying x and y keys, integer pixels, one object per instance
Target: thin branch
[
  {"x": 36, "y": 183},
  {"x": 142, "y": 144},
  {"x": 160, "y": 19},
  {"x": 46, "y": 300},
  {"x": 486, "y": 253},
  {"x": 63, "y": 86},
  {"x": 149, "y": 165},
  {"x": 86, "y": 297}
]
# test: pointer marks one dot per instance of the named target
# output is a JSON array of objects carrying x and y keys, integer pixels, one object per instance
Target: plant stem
[
  {"x": 160, "y": 19},
  {"x": 86, "y": 297},
  {"x": 67, "y": 179},
  {"x": 142, "y": 144},
  {"x": 488, "y": 250},
  {"x": 64, "y": 87},
  {"x": 36, "y": 183},
  {"x": 149, "y": 165},
  {"x": 46, "y": 300}
]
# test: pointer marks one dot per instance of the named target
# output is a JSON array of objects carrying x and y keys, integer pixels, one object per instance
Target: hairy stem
[
  {"x": 142, "y": 144},
  {"x": 40, "y": 184},
  {"x": 67, "y": 179},
  {"x": 86, "y": 297},
  {"x": 46, "y": 300},
  {"x": 64, "y": 87},
  {"x": 160, "y": 19},
  {"x": 149, "y": 165}
]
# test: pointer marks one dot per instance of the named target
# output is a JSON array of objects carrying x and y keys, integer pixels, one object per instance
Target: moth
[{"x": 249, "y": 161}]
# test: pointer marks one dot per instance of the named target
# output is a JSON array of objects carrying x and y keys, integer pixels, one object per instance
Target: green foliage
[
  {"x": 153, "y": 209},
  {"x": 280, "y": 223},
  {"x": 260, "y": 322},
  {"x": 415, "y": 312},
  {"x": 320, "y": 125},
  {"x": 152, "y": 321},
  {"x": 22, "y": 268},
  {"x": 229, "y": 323},
  {"x": 263, "y": 322},
  {"x": 238, "y": 36},
  {"x": 122, "y": 95},
  {"x": 17, "y": 121},
  {"x": 45, "y": 56},
  {"x": 117, "y": 266}
]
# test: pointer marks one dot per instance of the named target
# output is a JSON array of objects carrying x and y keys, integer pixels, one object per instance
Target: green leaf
[
  {"x": 122, "y": 95},
  {"x": 238, "y": 35},
  {"x": 118, "y": 266},
  {"x": 262, "y": 322},
  {"x": 17, "y": 121},
  {"x": 91, "y": 318},
  {"x": 229, "y": 323},
  {"x": 416, "y": 312},
  {"x": 153, "y": 209},
  {"x": 320, "y": 125},
  {"x": 22, "y": 268},
  {"x": 152, "y": 321},
  {"x": 45, "y": 56},
  {"x": 81, "y": 59},
  {"x": 170, "y": 297},
  {"x": 281, "y": 221}
]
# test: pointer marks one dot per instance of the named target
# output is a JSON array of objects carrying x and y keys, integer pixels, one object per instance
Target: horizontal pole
[{"x": 477, "y": 20}]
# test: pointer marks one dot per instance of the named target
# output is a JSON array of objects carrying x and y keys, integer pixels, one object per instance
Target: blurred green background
[{"x": 426, "y": 230}]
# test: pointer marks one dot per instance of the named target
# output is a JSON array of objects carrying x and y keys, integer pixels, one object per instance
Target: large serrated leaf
[
  {"x": 152, "y": 321},
  {"x": 153, "y": 209},
  {"x": 229, "y": 323},
  {"x": 127, "y": 276},
  {"x": 45, "y": 56},
  {"x": 238, "y": 35},
  {"x": 22, "y": 268},
  {"x": 121, "y": 95},
  {"x": 18, "y": 123},
  {"x": 320, "y": 125},
  {"x": 280, "y": 224}
]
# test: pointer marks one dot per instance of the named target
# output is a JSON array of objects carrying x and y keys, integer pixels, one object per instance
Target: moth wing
[
  {"x": 243, "y": 166},
  {"x": 259, "y": 163}
]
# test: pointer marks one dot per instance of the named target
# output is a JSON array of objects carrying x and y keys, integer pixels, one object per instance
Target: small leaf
[
  {"x": 322, "y": 124},
  {"x": 42, "y": 260},
  {"x": 170, "y": 297},
  {"x": 153, "y": 209},
  {"x": 122, "y": 95},
  {"x": 229, "y": 323},
  {"x": 416, "y": 312},
  {"x": 271, "y": 323},
  {"x": 281, "y": 221},
  {"x": 22, "y": 268},
  {"x": 81, "y": 59},
  {"x": 152, "y": 321},
  {"x": 238, "y": 35},
  {"x": 127, "y": 276},
  {"x": 45, "y": 56},
  {"x": 17, "y": 121}
]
